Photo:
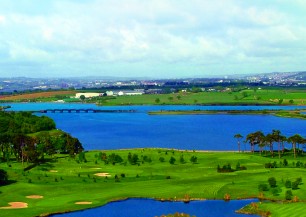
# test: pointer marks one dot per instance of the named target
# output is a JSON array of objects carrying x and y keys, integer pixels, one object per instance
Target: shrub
[
  {"x": 288, "y": 184},
  {"x": 275, "y": 191},
  {"x": 3, "y": 177},
  {"x": 172, "y": 160},
  {"x": 299, "y": 180},
  {"x": 225, "y": 169},
  {"x": 193, "y": 159},
  {"x": 263, "y": 187},
  {"x": 182, "y": 160},
  {"x": 272, "y": 182},
  {"x": 288, "y": 195},
  {"x": 162, "y": 159},
  {"x": 295, "y": 185}
]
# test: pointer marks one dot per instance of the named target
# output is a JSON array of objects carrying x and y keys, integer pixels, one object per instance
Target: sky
[{"x": 151, "y": 38}]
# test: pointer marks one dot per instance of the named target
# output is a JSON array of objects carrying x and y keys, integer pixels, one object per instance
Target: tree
[
  {"x": 178, "y": 97},
  {"x": 272, "y": 182},
  {"x": 172, "y": 160},
  {"x": 294, "y": 140},
  {"x": 288, "y": 195},
  {"x": 182, "y": 160},
  {"x": 193, "y": 159},
  {"x": 263, "y": 187},
  {"x": 269, "y": 138},
  {"x": 82, "y": 97},
  {"x": 157, "y": 100},
  {"x": 238, "y": 137},
  {"x": 254, "y": 139},
  {"x": 3, "y": 177},
  {"x": 162, "y": 159}
]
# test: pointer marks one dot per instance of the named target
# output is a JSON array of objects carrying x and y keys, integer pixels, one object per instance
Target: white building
[{"x": 87, "y": 95}]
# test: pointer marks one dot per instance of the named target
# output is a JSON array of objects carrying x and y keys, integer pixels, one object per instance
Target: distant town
[{"x": 149, "y": 86}]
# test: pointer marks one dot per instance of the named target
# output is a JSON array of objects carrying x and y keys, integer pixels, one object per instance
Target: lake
[
  {"x": 152, "y": 208},
  {"x": 140, "y": 130}
]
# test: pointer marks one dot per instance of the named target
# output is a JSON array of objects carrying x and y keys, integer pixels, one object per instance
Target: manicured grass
[{"x": 63, "y": 181}]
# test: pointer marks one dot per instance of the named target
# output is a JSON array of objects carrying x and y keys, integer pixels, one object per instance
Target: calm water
[
  {"x": 152, "y": 208},
  {"x": 140, "y": 130}
]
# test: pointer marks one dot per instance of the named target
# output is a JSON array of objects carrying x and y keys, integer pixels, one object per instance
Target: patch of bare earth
[
  {"x": 34, "y": 196},
  {"x": 15, "y": 205},
  {"x": 103, "y": 174},
  {"x": 83, "y": 203}
]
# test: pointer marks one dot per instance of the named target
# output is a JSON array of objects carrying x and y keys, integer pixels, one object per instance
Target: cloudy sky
[{"x": 151, "y": 38}]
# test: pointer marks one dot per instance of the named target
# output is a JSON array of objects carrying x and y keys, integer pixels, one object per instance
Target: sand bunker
[
  {"x": 53, "y": 171},
  {"x": 97, "y": 168},
  {"x": 102, "y": 174},
  {"x": 83, "y": 203},
  {"x": 34, "y": 196},
  {"x": 15, "y": 205}
]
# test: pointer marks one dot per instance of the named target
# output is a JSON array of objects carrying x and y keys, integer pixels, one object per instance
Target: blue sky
[{"x": 152, "y": 38}]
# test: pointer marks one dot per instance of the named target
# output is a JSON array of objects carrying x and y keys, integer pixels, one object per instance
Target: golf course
[{"x": 94, "y": 178}]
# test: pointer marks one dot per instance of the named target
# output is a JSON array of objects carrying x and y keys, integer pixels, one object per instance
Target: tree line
[
  {"x": 28, "y": 138},
  {"x": 269, "y": 140}
]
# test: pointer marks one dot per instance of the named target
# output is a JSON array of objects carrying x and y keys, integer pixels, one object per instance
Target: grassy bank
[
  {"x": 62, "y": 181},
  {"x": 279, "y": 113}
]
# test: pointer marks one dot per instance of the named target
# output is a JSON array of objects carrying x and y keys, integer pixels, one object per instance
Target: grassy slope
[{"x": 198, "y": 180}]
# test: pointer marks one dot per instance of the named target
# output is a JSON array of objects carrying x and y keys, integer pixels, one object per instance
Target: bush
[
  {"x": 263, "y": 187},
  {"x": 288, "y": 195},
  {"x": 182, "y": 160},
  {"x": 162, "y": 159},
  {"x": 272, "y": 182},
  {"x": 288, "y": 184},
  {"x": 172, "y": 160},
  {"x": 276, "y": 191},
  {"x": 299, "y": 180},
  {"x": 193, "y": 159},
  {"x": 225, "y": 169},
  {"x": 3, "y": 177},
  {"x": 295, "y": 185}
]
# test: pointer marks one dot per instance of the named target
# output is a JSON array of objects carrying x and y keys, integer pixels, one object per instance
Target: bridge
[{"x": 82, "y": 111}]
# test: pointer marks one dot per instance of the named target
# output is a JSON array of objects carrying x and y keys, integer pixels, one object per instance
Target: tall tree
[
  {"x": 269, "y": 138},
  {"x": 294, "y": 140},
  {"x": 254, "y": 139},
  {"x": 238, "y": 137},
  {"x": 279, "y": 139}
]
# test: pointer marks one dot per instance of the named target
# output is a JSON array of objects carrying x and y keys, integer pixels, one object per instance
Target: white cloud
[
  {"x": 2, "y": 19},
  {"x": 164, "y": 32}
]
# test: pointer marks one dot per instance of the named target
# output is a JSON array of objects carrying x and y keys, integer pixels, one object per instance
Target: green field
[
  {"x": 246, "y": 97},
  {"x": 279, "y": 96},
  {"x": 62, "y": 181}
]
